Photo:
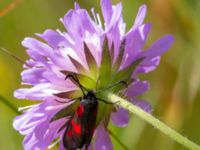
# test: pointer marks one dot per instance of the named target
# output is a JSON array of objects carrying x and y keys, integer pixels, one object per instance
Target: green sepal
[
  {"x": 105, "y": 69},
  {"x": 92, "y": 64},
  {"x": 84, "y": 80},
  {"x": 69, "y": 94},
  {"x": 125, "y": 74},
  {"x": 120, "y": 56},
  {"x": 78, "y": 66},
  {"x": 65, "y": 112}
]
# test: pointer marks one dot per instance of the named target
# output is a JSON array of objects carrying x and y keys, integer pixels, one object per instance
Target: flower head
[{"x": 98, "y": 55}]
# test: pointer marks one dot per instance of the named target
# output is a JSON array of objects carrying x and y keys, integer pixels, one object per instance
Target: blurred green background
[{"x": 175, "y": 85}]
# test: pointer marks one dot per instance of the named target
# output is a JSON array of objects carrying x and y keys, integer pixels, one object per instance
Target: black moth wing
[
  {"x": 90, "y": 121},
  {"x": 80, "y": 128}
]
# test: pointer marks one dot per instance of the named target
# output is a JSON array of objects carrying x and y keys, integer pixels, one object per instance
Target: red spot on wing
[
  {"x": 95, "y": 113},
  {"x": 77, "y": 128},
  {"x": 80, "y": 110},
  {"x": 69, "y": 133},
  {"x": 72, "y": 122}
]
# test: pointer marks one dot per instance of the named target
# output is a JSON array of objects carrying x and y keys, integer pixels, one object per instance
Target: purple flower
[{"x": 92, "y": 51}]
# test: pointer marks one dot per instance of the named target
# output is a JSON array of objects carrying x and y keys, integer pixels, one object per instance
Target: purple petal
[
  {"x": 148, "y": 65},
  {"x": 61, "y": 145},
  {"x": 135, "y": 41},
  {"x": 37, "y": 52},
  {"x": 143, "y": 104},
  {"x": 77, "y": 22},
  {"x": 30, "y": 145},
  {"x": 140, "y": 16},
  {"x": 33, "y": 76},
  {"x": 137, "y": 88},
  {"x": 90, "y": 147},
  {"x": 41, "y": 137},
  {"x": 53, "y": 38},
  {"x": 21, "y": 123},
  {"x": 40, "y": 75},
  {"x": 94, "y": 44},
  {"x": 40, "y": 59},
  {"x": 114, "y": 37},
  {"x": 106, "y": 10},
  {"x": 81, "y": 27},
  {"x": 38, "y": 92},
  {"x": 117, "y": 13},
  {"x": 35, "y": 124},
  {"x": 103, "y": 141},
  {"x": 76, "y": 6},
  {"x": 37, "y": 46},
  {"x": 121, "y": 117},
  {"x": 63, "y": 63},
  {"x": 152, "y": 55},
  {"x": 115, "y": 30},
  {"x": 160, "y": 46}
]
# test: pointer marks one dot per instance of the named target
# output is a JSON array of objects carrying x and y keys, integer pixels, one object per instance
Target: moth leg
[
  {"x": 104, "y": 101},
  {"x": 115, "y": 84},
  {"x": 74, "y": 77}
]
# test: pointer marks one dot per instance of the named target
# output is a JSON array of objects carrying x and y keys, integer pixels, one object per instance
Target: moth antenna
[{"x": 14, "y": 56}]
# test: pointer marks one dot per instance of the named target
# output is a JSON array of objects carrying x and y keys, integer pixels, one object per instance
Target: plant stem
[
  {"x": 152, "y": 120},
  {"x": 10, "y": 105}
]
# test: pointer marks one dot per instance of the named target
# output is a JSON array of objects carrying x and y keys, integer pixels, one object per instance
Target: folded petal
[
  {"x": 137, "y": 88},
  {"x": 61, "y": 145},
  {"x": 149, "y": 64},
  {"x": 140, "y": 16},
  {"x": 53, "y": 38},
  {"x": 120, "y": 117},
  {"x": 78, "y": 22},
  {"x": 36, "y": 126},
  {"x": 159, "y": 47},
  {"x": 39, "y": 92},
  {"x": 103, "y": 141},
  {"x": 35, "y": 45},
  {"x": 135, "y": 41},
  {"x": 33, "y": 76},
  {"x": 143, "y": 104},
  {"x": 107, "y": 11},
  {"x": 116, "y": 16}
]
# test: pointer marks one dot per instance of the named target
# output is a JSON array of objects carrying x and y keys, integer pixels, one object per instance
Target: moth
[{"x": 80, "y": 127}]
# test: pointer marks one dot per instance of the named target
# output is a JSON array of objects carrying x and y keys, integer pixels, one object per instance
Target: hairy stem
[{"x": 152, "y": 120}]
